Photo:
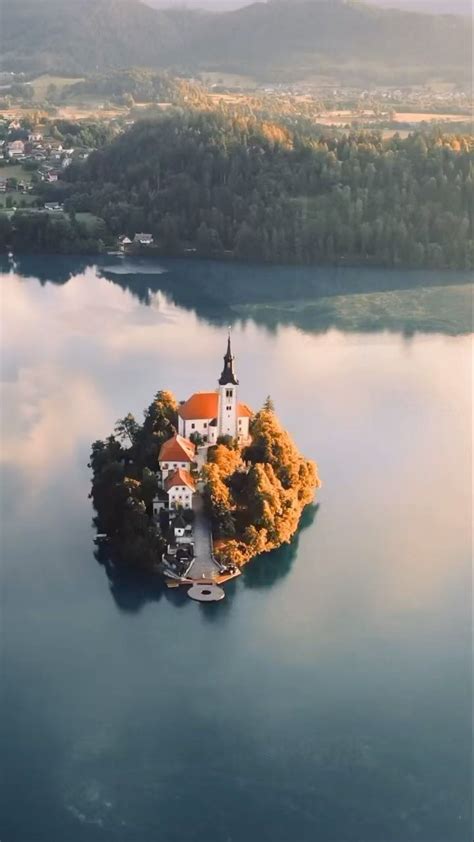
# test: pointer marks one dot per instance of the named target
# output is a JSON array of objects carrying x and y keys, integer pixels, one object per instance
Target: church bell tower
[{"x": 227, "y": 422}]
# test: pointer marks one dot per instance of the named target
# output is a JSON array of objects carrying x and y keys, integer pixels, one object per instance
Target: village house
[
  {"x": 218, "y": 413},
  {"x": 180, "y": 487},
  {"x": 143, "y": 239},
  {"x": 53, "y": 206},
  {"x": 52, "y": 176},
  {"x": 124, "y": 241},
  {"x": 182, "y": 531},
  {"x": 176, "y": 453},
  {"x": 15, "y": 148}
]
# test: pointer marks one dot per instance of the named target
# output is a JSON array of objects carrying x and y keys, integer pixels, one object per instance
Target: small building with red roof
[
  {"x": 180, "y": 487},
  {"x": 177, "y": 452}
]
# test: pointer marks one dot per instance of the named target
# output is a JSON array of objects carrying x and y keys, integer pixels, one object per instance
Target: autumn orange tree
[{"x": 256, "y": 497}]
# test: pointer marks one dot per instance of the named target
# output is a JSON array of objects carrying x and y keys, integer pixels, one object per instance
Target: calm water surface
[{"x": 328, "y": 698}]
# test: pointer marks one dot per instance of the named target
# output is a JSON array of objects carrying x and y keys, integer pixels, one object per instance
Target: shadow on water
[
  {"x": 131, "y": 590},
  {"x": 268, "y": 569},
  {"x": 313, "y": 299},
  {"x": 57, "y": 269}
]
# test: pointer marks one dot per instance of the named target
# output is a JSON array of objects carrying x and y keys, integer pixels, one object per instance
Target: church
[
  {"x": 201, "y": 420},
  {"x": 218, "y": 413}
]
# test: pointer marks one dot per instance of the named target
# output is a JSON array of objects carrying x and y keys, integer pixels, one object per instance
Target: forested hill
[
  {"x": 258, "y": 191},
  {"x": 284, "y": 40},
  {"x": 87, "y": 36}
]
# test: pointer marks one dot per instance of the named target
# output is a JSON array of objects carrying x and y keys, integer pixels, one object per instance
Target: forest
[{"x": 217, "y": 185}]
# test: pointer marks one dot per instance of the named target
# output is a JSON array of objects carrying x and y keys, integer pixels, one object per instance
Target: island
[{"x": 201, "y": 487}]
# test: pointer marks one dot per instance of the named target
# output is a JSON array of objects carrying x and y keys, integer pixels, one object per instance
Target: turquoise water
[{"x": 328, "y": 698}]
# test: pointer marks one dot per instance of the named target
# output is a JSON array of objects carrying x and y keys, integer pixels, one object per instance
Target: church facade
[{"x": 218, "y": 413}]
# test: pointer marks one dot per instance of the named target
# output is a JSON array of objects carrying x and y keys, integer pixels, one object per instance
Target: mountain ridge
[{"x": 277, "y": 41}]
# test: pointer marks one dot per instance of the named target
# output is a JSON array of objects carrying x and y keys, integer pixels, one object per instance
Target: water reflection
[
  {"x": 131, "y": 591},
  {"x": 312, "y": 299},
  {"x": 334, "y": 678},
  {"x": 268, "y": 569}
]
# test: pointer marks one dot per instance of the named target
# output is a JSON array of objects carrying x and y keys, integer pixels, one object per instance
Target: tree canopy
[
  {"x": 125, "y": 484},
  {"x": 256, "y": 498},
  {"x": 258, "y": 190}
]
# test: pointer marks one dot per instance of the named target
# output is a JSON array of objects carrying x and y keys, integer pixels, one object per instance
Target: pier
[{"x": 204, "y": 570}]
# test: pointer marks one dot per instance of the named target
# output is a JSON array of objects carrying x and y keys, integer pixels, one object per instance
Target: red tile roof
[
  {"x": 205, "y": 405},
  {"x": 244, "y": 411},
  {"x": 200, "y": 406},
  {"x": 177, "y": 449},
  {"x": 180, "y": 477}
]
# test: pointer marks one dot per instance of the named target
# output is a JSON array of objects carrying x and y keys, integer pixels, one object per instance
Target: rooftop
[
  {"x": 180, "y": 477},
  {"x": 204, "y": 406},
  {"x": 177, "y": 449}
]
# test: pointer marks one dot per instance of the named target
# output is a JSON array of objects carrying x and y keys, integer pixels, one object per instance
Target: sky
[{"x": 441, "y": 6}]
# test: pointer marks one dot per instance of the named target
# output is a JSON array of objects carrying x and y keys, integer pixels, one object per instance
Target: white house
[
  {"x": 180, "y": 487},
  {"x": 219, "y": 413},
  {"x": 175, "y": 453},
  {"x": 182, "y": 532},
  {"x": 124, "y": 241},
  {"x": 53, "y": 206},
  {"x": 15, "y": 148},
  {"x": 143, "y": 239}
]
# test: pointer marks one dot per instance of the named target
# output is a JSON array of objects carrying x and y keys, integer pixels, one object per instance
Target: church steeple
[{"x": 228, "y": 376}]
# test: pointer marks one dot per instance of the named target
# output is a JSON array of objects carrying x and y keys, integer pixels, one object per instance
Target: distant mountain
[
  {"x": 282, "y": 40},
  {"x": 434, "y": 7},
  {"x": 296, "y": 39},
  {"x": 85, "y": 35}
]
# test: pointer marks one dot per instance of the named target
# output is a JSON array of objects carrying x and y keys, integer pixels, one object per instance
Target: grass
[
  {"x": 42, "y": 83},
  {"x": 91, "y": 221},
  {"x": 15, "y": 171},
  {"x": 18, "y": 198}
]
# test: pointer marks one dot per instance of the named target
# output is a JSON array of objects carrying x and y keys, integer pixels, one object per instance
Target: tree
[
  {"x": 256, "y": 498},
  {"x": 127, "y": 429}
]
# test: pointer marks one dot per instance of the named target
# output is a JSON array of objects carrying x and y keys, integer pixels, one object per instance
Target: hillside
[
  {"x": 282, "y": 40},
  {"x": 254, "y": 190},
  {"x": 85, "y": 36},
  {"x": 294, "y": 40}
]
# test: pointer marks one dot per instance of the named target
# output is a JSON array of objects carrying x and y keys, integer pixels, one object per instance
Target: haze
[{"x": 457, "y": 7}]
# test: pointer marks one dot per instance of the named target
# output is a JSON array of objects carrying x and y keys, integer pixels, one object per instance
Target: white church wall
[{"x": 197, "y": 425}]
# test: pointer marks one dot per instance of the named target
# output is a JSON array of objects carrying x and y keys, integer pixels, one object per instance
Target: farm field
[
  {"x": 15, "y": 171},
  {"x": 19, "y": 199}
]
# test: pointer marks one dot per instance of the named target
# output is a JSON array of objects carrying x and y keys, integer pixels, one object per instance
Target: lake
[{"x": 328, "y": 698}]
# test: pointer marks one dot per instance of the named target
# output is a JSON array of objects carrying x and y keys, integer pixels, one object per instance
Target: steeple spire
[{"x": 228, "y": 376}]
